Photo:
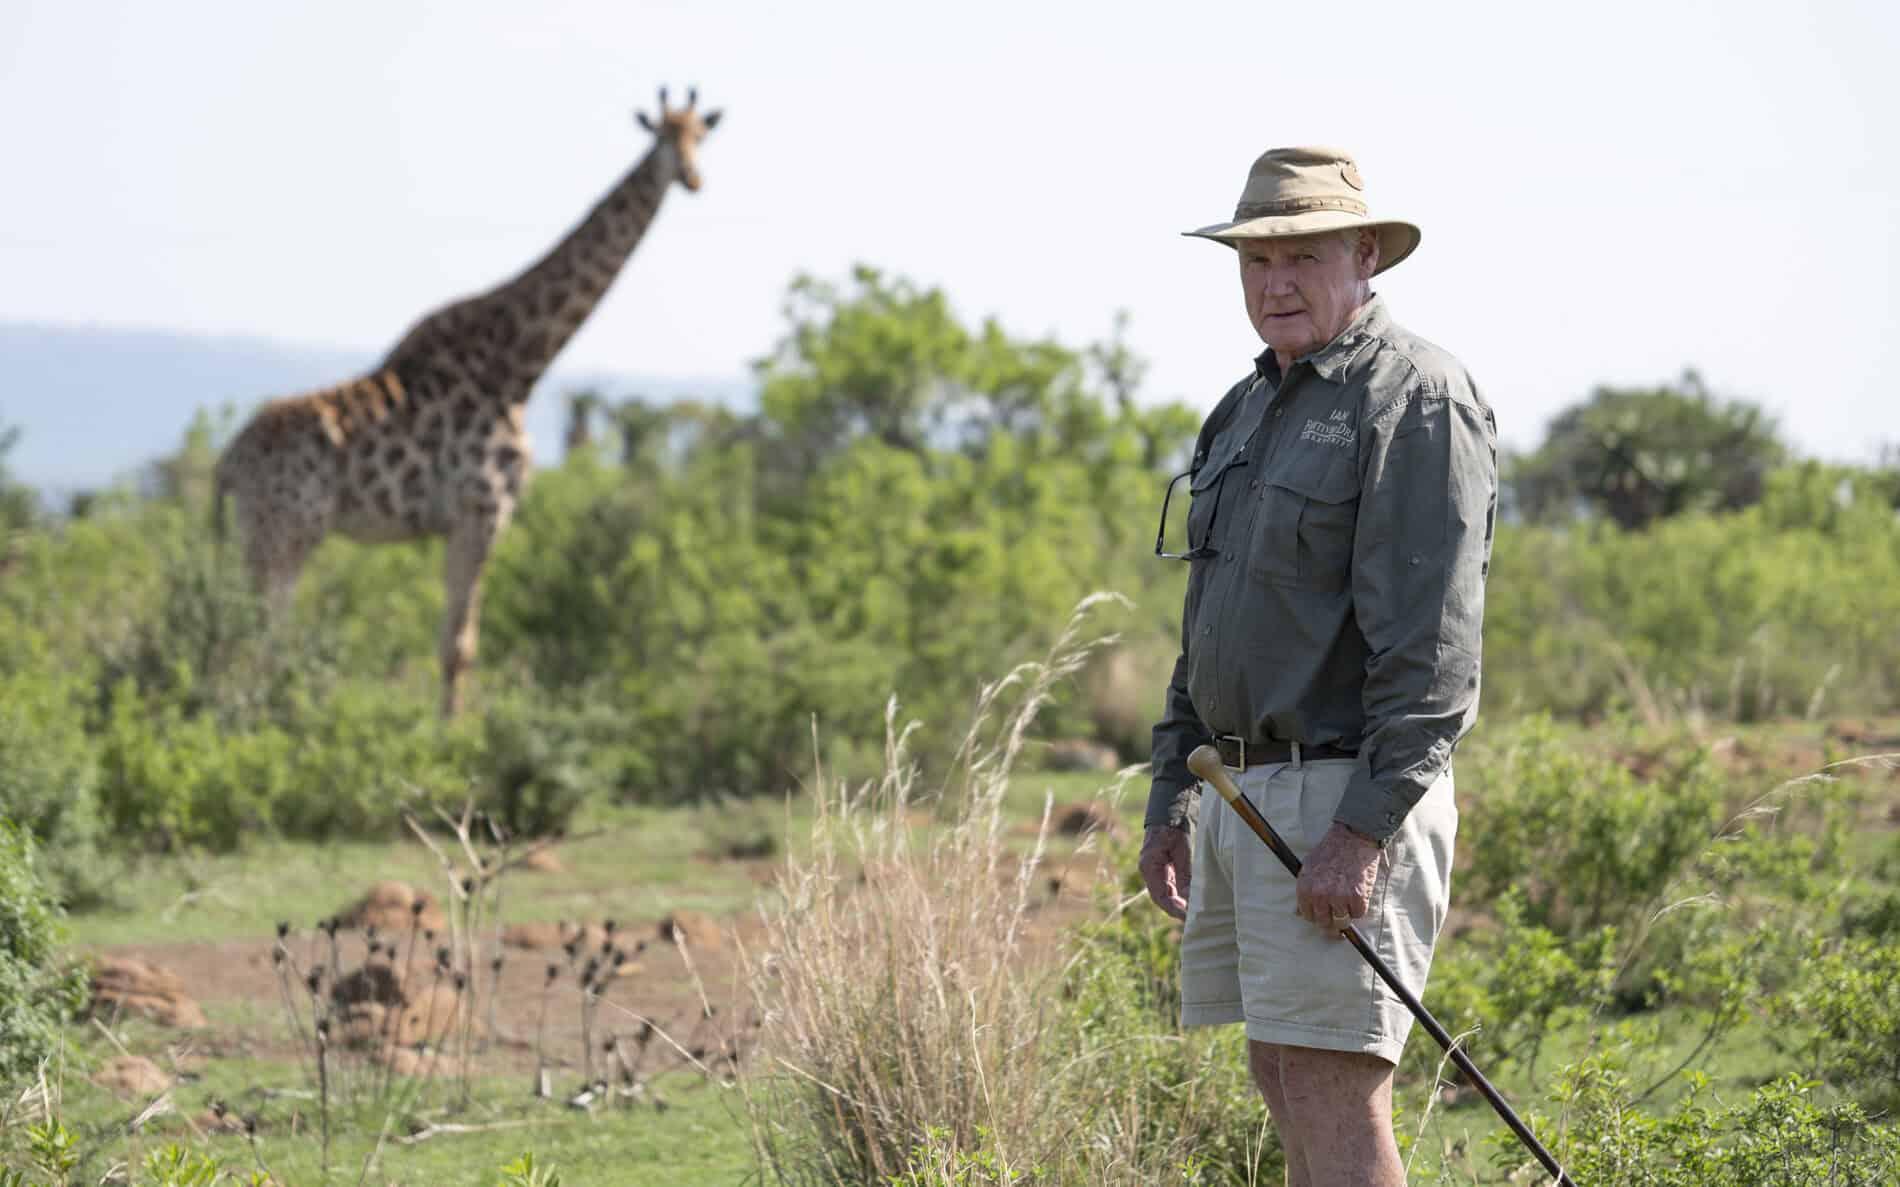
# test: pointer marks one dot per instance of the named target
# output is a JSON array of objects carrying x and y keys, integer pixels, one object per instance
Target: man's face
[{"x": 1302, "y": 290}]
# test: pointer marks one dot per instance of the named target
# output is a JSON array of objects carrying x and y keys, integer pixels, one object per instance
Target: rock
[
  {"x": 374, "y": 982},
  {"x": 433, "y": 1014},
  {"x": 1076, "y": 879},
  {"x": 363, "y": 1025},
  {"x": 132, "y": 1075},
  {"x": 593, "y": 938},
  {"x": 533, "y": 935},
  {"x": 695, "y": 929},
  {"x": 1078, "y": 820},
  {"x": 124, "y": 985},
  {"x": 210, "y": 1122},
  {"x": 1081, "y": 754},
  {"x": 409, "y": 1062},
  {"x": 391, "y": 908}
]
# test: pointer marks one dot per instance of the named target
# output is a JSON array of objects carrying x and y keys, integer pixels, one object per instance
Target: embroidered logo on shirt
[{"x": 1336, "y": 429}]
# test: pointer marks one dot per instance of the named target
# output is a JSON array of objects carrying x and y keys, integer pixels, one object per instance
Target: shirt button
[
  {"x": 1207, "y": 630},
  {"x": 1278, "y": 411},
  {"x": 1254, "y": 485},
  {"x": 1415, "y": 558}
]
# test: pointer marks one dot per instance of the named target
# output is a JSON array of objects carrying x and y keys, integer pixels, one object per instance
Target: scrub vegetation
[{"x": 1676, "y": 929}]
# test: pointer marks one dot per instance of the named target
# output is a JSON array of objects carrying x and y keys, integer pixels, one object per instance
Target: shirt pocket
[
  {"x": 1208, "y": 486},
  {"x": 1303, "y": 532}
]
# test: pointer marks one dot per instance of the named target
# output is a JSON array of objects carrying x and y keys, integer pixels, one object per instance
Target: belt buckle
[{"x": 1241, "y": 743}]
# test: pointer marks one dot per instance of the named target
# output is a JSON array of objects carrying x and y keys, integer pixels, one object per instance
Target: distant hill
[{"x": 95, "y": 403}]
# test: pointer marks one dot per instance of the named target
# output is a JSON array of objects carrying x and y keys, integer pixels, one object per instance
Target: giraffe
[{"x": 432, "y": 441}]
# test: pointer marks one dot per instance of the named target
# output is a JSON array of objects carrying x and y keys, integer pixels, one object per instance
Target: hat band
[{"x": 1248, "y": 210}]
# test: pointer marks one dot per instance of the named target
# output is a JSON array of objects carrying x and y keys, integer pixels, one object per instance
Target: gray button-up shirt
[{"x": 1351, "y": 502}]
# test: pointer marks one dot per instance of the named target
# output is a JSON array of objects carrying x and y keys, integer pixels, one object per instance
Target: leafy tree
[
  {"x": 185, "y": 477},
  {"x": 16, "y": 501},
  {"x": 886, "y": 359},
  {"x": 1640, "y": 454},
  {"x": 581, "y": 408}
]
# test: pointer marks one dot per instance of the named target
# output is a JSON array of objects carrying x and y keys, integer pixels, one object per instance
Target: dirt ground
[{"x": 664, "y": 982}]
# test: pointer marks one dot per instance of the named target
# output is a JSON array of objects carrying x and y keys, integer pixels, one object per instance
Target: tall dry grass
[{"x": 922, "y": 1026}]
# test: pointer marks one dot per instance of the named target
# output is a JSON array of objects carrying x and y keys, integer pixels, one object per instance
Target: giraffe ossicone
[{"x": 432, "y": 441}]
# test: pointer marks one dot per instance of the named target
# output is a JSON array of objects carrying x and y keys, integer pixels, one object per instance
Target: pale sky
[{"x": 1608, "y": 191}]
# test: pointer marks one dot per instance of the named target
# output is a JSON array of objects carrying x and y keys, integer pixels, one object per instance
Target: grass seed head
[{"x": 283, "y": 929}]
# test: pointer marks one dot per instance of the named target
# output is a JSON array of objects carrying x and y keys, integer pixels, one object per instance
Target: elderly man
[{"x": 1343, "y": 496}]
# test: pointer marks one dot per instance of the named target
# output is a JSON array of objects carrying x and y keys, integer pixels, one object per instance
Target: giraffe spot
[
  {"x": 385, "y": 503},
  {"x": 536, "y": 345},
  {"x": 412, "y": 482},
  {"x": 507, "y": 456},
  {"x": 462, "y": 418},
  {"x": 393, "y": 456}
]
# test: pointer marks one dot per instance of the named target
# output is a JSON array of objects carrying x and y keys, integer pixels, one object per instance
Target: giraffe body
[{"x": 432, "y": 442}]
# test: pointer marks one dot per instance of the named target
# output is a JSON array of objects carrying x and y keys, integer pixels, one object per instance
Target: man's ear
[{"x": 1367, "y": 255}]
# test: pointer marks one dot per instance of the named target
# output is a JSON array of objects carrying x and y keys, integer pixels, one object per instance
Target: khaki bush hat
[{"x": 1307, "y": 191}]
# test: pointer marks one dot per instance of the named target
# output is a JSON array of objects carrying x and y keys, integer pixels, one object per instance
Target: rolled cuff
[
  {"x": 1168, "y": 804},
  {"x": 1374, "y": 814}
]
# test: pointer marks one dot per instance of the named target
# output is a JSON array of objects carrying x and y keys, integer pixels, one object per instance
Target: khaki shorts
[{"x": 1246, "y": 957}]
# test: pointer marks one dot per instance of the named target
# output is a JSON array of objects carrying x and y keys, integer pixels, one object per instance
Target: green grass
[
  {"x": 644, "y": 863},
  {"x": 698, "y": 1139}
]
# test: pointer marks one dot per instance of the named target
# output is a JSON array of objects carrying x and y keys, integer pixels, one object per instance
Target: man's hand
[
  {"x": 1166, "y": 866},
  {"x": 1336, "y": 879}
]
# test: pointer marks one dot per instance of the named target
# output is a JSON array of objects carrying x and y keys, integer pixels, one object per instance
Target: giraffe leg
[
  {"x": 471, "y": 541},
  {"x": 277, "y": 543}
]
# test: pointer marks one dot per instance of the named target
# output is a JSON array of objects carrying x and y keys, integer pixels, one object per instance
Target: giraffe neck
[
  {"x": 560, "y": 291},
  {"x": 505, "y": 338}
]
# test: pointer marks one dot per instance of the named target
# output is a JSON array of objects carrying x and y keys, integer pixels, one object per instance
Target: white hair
[{"x": 1351, "y": 235}]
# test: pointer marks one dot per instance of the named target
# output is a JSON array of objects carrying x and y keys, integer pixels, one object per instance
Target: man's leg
[
  {"x": 1264, "y": 1060},
  {"x": 1339, "y": 1104}
]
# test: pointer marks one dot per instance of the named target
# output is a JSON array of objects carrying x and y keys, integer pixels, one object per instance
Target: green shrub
[
  {"x": 1516, "y": 984},
  {"x": 535, "y": 772},
  {"x": 1586, "y": 843},
  {"x": 1781, "y": 1135},
  {"x": 1843, "y": 1016},
  {"x": 49, "y": 778},
  {"x": 37, "y": 996}
]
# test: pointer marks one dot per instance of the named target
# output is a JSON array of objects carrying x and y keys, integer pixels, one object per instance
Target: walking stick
[{"x": 1205, "y": 762}]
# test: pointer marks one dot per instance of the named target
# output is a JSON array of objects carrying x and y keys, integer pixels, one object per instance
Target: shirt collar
[{"x": 1331, "y": 360}]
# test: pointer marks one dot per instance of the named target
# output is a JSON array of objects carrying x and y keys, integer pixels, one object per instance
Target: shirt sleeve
[
  {"x": 1175, "y": 737},
  {"x": 1421, "y": 550}
]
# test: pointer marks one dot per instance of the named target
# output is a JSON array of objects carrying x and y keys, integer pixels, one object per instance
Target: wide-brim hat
[{"x": 1309, "y": 191}]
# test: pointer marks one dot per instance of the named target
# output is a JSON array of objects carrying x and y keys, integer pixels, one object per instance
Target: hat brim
[{"x": 1397, "y": 239}]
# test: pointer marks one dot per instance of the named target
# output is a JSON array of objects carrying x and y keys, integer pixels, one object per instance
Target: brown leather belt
[{"x": 1237, "y": 754}]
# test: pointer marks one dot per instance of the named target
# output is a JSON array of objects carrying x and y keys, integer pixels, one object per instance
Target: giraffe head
[{"x": 683, "y": 128}]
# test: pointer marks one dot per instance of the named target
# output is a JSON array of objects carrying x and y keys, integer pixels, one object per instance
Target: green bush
[
  {"x": 37, "y": 996},
  {"x": 49, "y": 778},
  {"x": 1586, "y": 843},
  {"x": 1781, "y": 1135},
  {"x": 1843, "y": 1016},
  {"x": 1516, "y": 985}
]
